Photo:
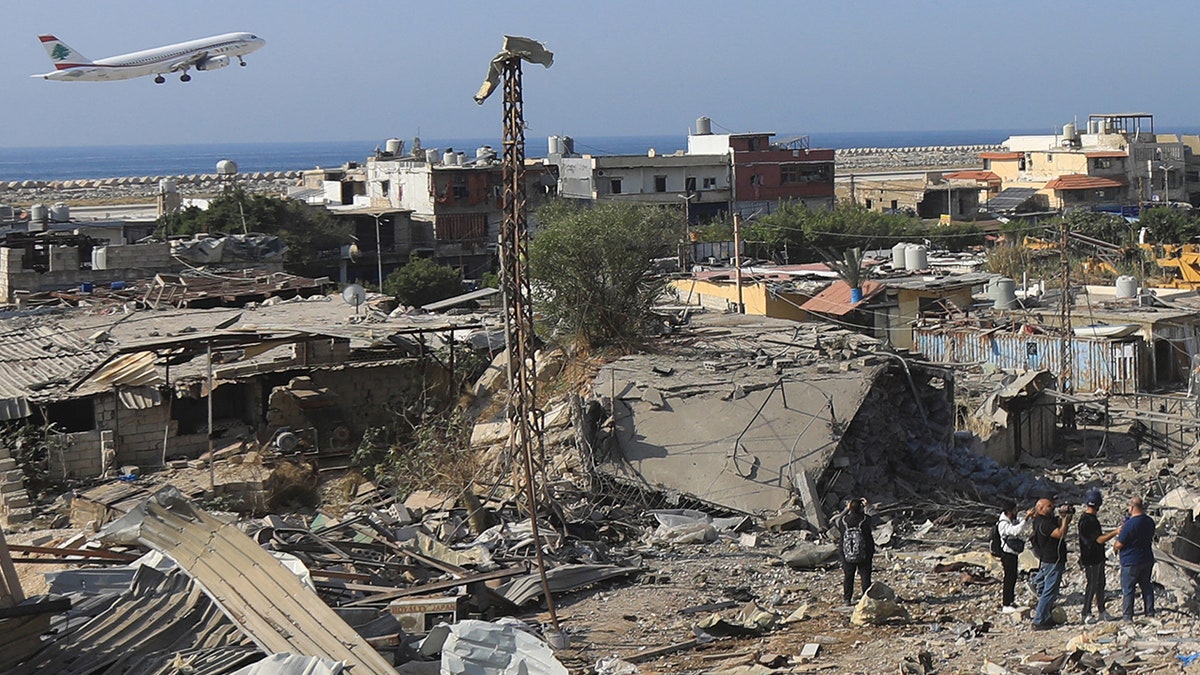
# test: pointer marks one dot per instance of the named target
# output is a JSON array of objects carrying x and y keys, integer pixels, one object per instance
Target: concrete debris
[
  {"x": 807, "y": 555},
  {"x": 614, "y": 665},
  {"x": 878, "y": 605}
]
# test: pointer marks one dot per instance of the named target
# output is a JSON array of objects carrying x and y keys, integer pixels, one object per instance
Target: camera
[{"x": 1067, "y": 510}]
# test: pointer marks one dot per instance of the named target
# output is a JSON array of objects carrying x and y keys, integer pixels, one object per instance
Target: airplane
[{"x": 206, "y": 54}]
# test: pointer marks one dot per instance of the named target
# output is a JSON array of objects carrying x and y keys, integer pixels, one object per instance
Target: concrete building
[
  {"x": 718, "y": 173},
  {"x": 1117, "y": 160},
  {"x": 925, "y": 194}
]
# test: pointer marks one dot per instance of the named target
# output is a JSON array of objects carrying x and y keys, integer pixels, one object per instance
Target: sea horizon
[{"x": 117, "y": 161}]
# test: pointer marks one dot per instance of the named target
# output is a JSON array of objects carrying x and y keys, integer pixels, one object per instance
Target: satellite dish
[{"x": 354, "y": 295}]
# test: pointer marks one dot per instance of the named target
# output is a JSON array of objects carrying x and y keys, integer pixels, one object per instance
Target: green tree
[
  {"x": 1106, "y": 226},
  {"x": 1171, "y": 226},
  {"x": 594, "y": 269},
  {"x": 307, "y": 231},
  {"x": 423, "y": 281}
]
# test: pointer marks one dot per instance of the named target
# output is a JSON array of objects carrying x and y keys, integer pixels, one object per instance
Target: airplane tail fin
[{"x": 61, "y": 53}]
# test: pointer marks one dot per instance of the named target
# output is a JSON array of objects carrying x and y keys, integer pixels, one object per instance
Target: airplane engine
[{"x": 212, "y": 63}]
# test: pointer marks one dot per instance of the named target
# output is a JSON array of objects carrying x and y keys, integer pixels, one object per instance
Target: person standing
[
  {"x": 1050, "y": 546},
  {"x": 1012, "y": 531},
  {"x": 856, "y": 546},
  {"x": 1136, "y": 546},
  {"x": 1092, "y": 539}
]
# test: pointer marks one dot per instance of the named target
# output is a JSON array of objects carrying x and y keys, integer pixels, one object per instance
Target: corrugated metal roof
[
  {"x": 252, "y": 588},
  {"x": 38, "y": 358},
  {"x": 835, "y": 299},
  {"x": 1077, "y": 181}
]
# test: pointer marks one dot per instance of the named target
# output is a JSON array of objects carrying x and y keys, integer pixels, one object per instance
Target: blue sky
[{"x": 371, "y": 69}]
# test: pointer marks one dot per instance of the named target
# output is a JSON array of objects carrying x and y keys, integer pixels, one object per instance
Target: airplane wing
[{"x": 189, "y": 62}]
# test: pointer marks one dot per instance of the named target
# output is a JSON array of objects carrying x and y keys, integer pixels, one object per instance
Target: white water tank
[
  {"x": 226, "y": 167},
  {"x": 568, "y": 146},
  {"x": 431, "y": 155},
  {"x": 914, "y": 257},
  {"x": 394, "y": 146},
  {"x": 60, "y": 213},
  {"x": 167, "y": 186},
  {"x": 1127, "y": 286},
  {"x": 898, "y": 256},
  {"x": 703, "y": 126},
  {"x": 460, "y": 158},
  {"x": 1070, "y": 133},
  {"x": 484, "y": 151},
  {"x": 38, "y": 213},
  {"x": 554, "y": 145},
  {"x": 448, "y": 157},
  {"x": 1004, "y": 292}
]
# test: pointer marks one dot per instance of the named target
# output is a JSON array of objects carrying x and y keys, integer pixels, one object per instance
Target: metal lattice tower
[
  {"x": 1066, "y": 382},
  {"x": 524, "y": 418}
]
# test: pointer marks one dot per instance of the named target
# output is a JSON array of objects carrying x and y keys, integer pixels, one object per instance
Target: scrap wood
[
  {"x": 650, "y": 654},
  {"x": 437, "y": 586},
  {"x": 64, "y": 552}
]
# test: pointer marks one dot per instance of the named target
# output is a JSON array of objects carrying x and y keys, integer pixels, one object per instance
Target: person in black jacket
[
  {"x": 856, "y": 546},
  {"x": 1092, "y": 539},
  {"x": 1050, "y": 546}
]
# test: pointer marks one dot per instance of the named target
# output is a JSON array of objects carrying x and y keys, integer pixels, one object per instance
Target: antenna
[{"x": 354, "y": 295}]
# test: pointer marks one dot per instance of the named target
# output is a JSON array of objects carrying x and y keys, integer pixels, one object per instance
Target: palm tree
[{"x": 849, "y": 269}]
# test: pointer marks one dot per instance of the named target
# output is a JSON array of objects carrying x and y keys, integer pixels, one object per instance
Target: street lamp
[
  {"x": 378, "y": 251},
  {"x": 686, "y": 258}
]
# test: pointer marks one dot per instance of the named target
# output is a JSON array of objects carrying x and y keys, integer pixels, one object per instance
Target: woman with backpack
[
  {"x": 1008, "y": 541},
  {"x": 856, "y": 544}
]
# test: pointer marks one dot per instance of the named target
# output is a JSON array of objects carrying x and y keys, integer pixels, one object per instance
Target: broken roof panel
[
  {"x": 252, "y": 588},
  {"x": 34, "y": 358},
  {"x": 835, "y": 299}
]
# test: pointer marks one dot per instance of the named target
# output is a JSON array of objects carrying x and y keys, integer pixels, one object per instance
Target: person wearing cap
[
  {"x": 1136, "y": 544},
  {"x": 1092, "y": 539}
]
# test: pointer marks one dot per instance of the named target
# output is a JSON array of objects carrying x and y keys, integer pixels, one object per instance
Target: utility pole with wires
[
  {"x": 525, "y": 420},
  {"x": 1066, "y": 383}
]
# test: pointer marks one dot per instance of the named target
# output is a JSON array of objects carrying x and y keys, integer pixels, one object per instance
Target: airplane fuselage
[{"x": 204, "y": 54}]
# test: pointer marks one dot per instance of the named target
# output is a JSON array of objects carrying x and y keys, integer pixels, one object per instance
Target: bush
[{"x": 422, "y": 282}]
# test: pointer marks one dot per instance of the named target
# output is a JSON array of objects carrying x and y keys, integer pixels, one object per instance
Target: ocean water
[{"x": 74, "y": 162}]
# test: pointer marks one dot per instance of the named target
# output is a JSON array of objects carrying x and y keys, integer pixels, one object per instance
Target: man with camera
[{"x": 1050, "y": 545}]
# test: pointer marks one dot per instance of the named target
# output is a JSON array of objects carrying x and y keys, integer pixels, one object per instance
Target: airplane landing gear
[
  {"x": 159, "y": 79},
  {"x": 241, "y": 61},
  {"x": 185, "y": 78}
]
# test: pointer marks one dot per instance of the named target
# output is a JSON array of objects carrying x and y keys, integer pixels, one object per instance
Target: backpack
[
  {"x": 997, "y": 548},
  {"x": 854, "y": 544}
]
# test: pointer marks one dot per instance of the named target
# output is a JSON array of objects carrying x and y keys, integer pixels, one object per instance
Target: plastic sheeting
[{"x": 483, "y": 648}]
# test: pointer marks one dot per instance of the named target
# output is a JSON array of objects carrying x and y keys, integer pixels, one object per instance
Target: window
[
  {"x": 660, "y": 183},
  {"x": 710, "y": 183},
  {"x": 895, "y": 204},
  {"x": 803, "y": 173},
  {"x": 870, "y": 203},
  {"x": 1102, "y": 163},
  {"x": 71, "y": 415},
  {"x": 1021, "y": 164},
  {"x": 987, "y": 164},
  {"x": 689, "y": 184},
  {"x": 614, "y": 186},
  {"x": 459, "y": 187},
  {"x": 385, "y": 186}
]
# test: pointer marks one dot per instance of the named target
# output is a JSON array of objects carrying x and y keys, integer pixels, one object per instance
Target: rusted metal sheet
[
  {"x": 261, "y": 596},
  {"x": 1116, "y": 366}
]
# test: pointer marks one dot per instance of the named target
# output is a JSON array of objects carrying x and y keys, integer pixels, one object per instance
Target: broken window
[
  {"x": 689, "y": 184},
  {"x": 614, "y": 186},
  {"x": 660, "y": 183},
  {"x": 385, "y": 186},
  {"x": 71, "y": 415},
  {"x": 803, "y": 173}
]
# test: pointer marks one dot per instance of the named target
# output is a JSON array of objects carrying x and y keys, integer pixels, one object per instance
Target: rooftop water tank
[
  {"x": 1093, "y": 126},
  {"x": 914, "y": 258},
  {"x": 1070, "y": 133},
  {"x": 448, "y": 157},
  {"x": 554, "y": 145},
  {"x": 226, "y": 167},
  {"x": 1127, "y": 286},
  {"x": 394, "y": 146},
  {"x": 38, "y": 213},
  {"x": 431, "y": 155},
  {"x": 703, "y": 126},
  {"x": 568, "y": 146},
  {"x": 898, "y": 256},
  {"x": 167, "y": 186},
  {"x": 60, "y": 213},
  {"x": 460, "y": 158},
  {"x": 484, "y": 151},
  {"x": 1004, "y": 292}
]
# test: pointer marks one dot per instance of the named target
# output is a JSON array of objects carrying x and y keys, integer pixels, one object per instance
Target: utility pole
[
  {"x": 737, "y": 261},
  {"x": 1066, "y": 384},
  {"x": 525, "y": 420}
]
